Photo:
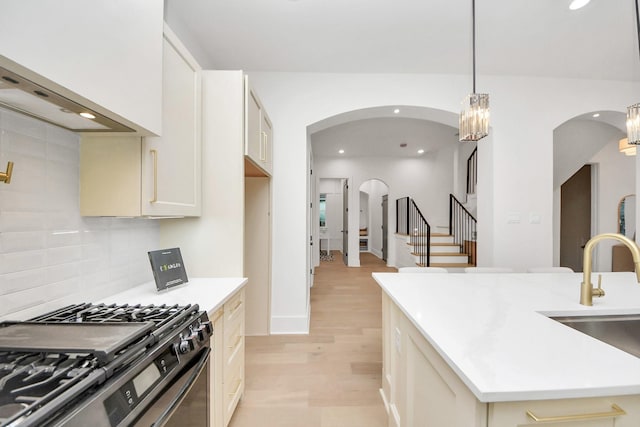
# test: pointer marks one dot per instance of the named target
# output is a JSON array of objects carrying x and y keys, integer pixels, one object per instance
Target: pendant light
[
  {"x": 474, "y": 115},
  {"x": 633, "y": 112},
  {"x": 625, "y": 148}
]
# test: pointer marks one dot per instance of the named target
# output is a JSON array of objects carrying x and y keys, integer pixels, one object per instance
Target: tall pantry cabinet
[{"x": 232, "y": 238}]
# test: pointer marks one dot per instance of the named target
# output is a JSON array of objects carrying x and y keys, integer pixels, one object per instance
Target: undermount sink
[{"x": 620, "y": 331}]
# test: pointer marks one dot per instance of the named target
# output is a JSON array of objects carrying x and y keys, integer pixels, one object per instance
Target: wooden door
[
  {"x": 345, "y": 222},
  {"x": 575, "y": 218},
  {"x": 385, "y": 219}
]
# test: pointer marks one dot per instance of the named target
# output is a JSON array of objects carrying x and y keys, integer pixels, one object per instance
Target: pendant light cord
[
  {"x": 637, "y": 25},
  {"x": 473, "y": 37}
]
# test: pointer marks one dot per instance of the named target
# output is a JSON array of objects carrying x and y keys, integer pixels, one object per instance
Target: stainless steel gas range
[{"x": 105, "y": 366}]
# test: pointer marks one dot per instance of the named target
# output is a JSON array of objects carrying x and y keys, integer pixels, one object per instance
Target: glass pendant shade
[
  {"x": 474, "y": 117},
  {"x": 633, "y": 124},
  {"x": 626, "y": 148}
]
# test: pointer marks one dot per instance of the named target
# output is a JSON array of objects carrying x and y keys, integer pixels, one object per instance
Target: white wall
[
  {"x": 50, "y": 256},
  {"x": 516, "y": 160}
]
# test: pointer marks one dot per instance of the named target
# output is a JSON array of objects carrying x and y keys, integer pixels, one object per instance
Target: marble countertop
[
  {"x": 494, "y": 331},
  {"x": 209, "y": 293}
]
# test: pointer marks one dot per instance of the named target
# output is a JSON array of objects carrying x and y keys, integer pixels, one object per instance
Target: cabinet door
[
  {"x": 172, "y": 163},
  {"x": 253, "y": 137},
  {"x": 258, "y": 144}
]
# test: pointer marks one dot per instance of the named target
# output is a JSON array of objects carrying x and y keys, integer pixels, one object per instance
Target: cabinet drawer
[
  {"x": 233, "y": 386},
  {"x": 591, "y": 412},
  {"x": 233, "y": 344},
  {"x": 233, "y": 310}
]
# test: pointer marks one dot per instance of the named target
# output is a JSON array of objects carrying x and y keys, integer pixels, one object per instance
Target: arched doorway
[
  {"x": 588, "y": 168},
  {"x": 373, "y": 218}
]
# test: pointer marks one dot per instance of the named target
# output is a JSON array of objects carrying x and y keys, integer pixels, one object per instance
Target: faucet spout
[{"x": 586, "y": 289}]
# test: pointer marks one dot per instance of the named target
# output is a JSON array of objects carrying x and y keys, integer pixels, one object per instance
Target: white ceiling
[
  {"x": 517, "y": 37},
  {"x": 514, "y": 37}
]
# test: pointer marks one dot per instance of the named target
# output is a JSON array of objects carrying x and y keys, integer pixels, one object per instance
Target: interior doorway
[{"x": 373, "y": 217}]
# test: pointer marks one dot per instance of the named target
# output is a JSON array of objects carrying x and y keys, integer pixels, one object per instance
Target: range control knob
[
  {"x": 203, "y": 331},
  {"x": 187, "y": 344}
]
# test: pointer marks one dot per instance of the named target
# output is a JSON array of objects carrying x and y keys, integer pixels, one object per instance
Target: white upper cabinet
[
  {"x": 104, "y": 54},
  {"x": 171, "y": 168},
  {"x": 151, "y": 176},
  {"x": 258, "y": 147}
]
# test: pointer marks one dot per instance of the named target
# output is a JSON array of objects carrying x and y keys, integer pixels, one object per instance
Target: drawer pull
[
  {"x": 217, "y": 316},
  {"x": 234, "y": 309},
  {"x": 237, "y": 389},
  {"x": 615, "y": 412},
  {"x": 236, "y": 343}
]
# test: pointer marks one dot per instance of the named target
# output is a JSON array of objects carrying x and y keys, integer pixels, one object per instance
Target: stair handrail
[
  {"x": 420, "y": 236},
  {"x": 472, "y": 171},
  {"x": 411, "y": 222},
  {"x": 462, "y": 226}
]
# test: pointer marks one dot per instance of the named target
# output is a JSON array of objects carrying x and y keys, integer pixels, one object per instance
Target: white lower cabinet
[
  {"x": 421, "y": 390},
  {"x": 227, "y": 375}
]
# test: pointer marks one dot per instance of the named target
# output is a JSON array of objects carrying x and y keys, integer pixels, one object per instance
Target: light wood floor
[{"x": 331, "y": 377}]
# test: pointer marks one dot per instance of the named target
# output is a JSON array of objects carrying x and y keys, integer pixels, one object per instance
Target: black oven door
[{"x": 185, "y": 402}]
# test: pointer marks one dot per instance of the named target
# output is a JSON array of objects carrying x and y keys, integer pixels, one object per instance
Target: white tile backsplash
[{"x": 50, "y": 255}]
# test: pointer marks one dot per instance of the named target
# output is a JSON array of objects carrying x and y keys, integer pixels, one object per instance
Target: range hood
[{"x": 24, "y": 96}]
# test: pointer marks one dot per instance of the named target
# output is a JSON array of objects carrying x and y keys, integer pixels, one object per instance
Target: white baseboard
[
  {"x": 377, "y": 253},
  {"x": 284, "y": 325}
]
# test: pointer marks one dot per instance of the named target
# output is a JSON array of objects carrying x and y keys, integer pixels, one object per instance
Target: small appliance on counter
[{"x": 105, "y": 366}]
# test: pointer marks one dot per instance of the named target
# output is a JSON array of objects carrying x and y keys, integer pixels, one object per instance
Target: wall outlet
[{"x": 397, "y": 339}]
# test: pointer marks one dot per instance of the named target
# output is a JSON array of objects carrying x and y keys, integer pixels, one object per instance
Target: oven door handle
[{"x": 182, "y": 393}]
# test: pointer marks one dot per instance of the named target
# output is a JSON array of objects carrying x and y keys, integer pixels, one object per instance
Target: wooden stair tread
[{"x": 446, "y": 244}]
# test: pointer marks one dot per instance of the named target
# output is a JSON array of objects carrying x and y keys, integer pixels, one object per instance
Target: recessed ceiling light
[
  {"x": 421, "y": 151},
  {"x": 396, "y": 111},
  {"x": 341, "y": 151},
  {"x": 596, "y": 115},
  {"x": 87, "y": 115},
  {"x": 577, "y": 4}
]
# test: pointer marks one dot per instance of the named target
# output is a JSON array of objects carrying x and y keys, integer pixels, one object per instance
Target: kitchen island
[{"x": 481, "y": 350}]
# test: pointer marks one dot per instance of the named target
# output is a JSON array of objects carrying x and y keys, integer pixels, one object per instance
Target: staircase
[
  {"x": 444, "y": 252},
  {"x": 454, "y": 247}
]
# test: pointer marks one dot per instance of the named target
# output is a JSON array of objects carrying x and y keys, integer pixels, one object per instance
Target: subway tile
[
  {"x": 22, "y": 221},
  {"x": 14, "y": 143},
  {"x": 63, "y": 237},
  {"x": 64, "y": 255},
  {"x": 21, "y": 241},
  {"x": 22, "y": 124},
  {"x": 50, "y": 255},
  {"x": 14, "y": 282},
  {"x": 18, "y": 261}
]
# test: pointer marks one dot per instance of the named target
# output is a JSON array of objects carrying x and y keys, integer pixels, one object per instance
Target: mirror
[{"x": 627, "y": 216}]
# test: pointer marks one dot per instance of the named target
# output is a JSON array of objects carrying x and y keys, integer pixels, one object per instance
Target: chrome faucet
[{"x": 587, "y": 291}]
